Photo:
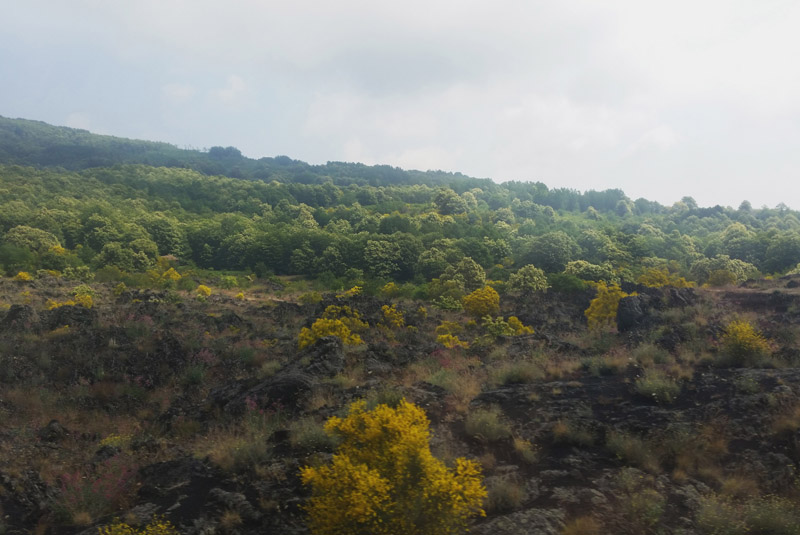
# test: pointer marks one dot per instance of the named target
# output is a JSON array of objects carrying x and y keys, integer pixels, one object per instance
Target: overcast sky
[{"x": 661, "y": 99}]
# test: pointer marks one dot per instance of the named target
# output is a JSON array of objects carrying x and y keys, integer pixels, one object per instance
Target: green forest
[{"x": 72, "y": 200}]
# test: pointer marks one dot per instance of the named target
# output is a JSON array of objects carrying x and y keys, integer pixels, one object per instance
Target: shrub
[
  {"x": 384, "y": 480},
  {"x": 632, "y": 449},
  {"x": 310, "y": 298},
  {"x": 505, "y": 494},
  {"x": 327, "y": 327},
  {"x": 23, "y": 276},
  {"x": 602, "y": 310},
  {"x": 657, "y": 386},
  {"x": 308, "y": 435},
  {"x": 157, "y": 526},
  {"x": 565, "y": 283},
  {"x": 568, "y": 432},
  {"x": 342, "y": 322},
  {"x": 763, "y": 514},
  {"x": 487, "y": 424},
  {"x": 203, "y": 291},
  {"x": 482, "y": 302},
  {"x": 393, "y": 317},
  {"x": 742, "y": 345},
  {"x": 450, "y": 341},
  {"x": 94, "y": 493}
]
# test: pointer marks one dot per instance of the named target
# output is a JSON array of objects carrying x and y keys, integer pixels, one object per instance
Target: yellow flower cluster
[
  {"x": 518, "y": 327},
  {"x": 158, "y": 526},
  {"x": 203, "y": 291},
  {"x": 482, "y": 302},
  {"x": 393, "y": 317},
  {"x": 451, "y": 341},
  {"x": 352, "y": 292},
  {"x": 384, "y": 479},
  {"x": 84, "y": 300},
  {"x": 341, "y": 321},
  {"x": 116, "y": 440},
  {"x": 743, "y": 345},
  {"x": 602, "y": 309},
  {"x": 23, "y": 276}
]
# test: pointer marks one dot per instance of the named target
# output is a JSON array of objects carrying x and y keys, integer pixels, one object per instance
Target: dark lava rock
[
  {"x": 633, "y": 312},
  {"x": 19, "y": 317},
  {"x": 74, "y": 316},
  {"x": 52, "y": 432},
  {"x": 181, "y": 487}
]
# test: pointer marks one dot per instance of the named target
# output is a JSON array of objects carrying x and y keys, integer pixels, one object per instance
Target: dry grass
[
  {"x": 583, "y": 525},
  {"x": 568, "y": 432}
]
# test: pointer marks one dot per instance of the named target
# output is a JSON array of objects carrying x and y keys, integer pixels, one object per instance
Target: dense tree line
[{"x": 123, "y": 203}]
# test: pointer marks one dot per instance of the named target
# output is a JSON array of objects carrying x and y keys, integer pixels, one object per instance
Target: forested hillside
[{"x": 111, "y": 202}]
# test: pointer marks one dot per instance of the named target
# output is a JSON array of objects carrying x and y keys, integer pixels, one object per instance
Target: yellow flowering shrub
[
  {"x": 323, "y": 327},
  {"x": 384, "y": 480},
  {"x": 742, "y": 345},
  {"x": 203, "y": 290},
  {"x": 390, "y": 289},
  {"x": 239, "y": 296},
  {"x": 451, "y": 341},
  {"x": 482, "y": 302},
  {"x": 157, "y": 526},
  {"x": 352, "y": 292},
  {"x": 518, "y": 327},
  {"x": 23, "y": 276},
  {"x": 602, "y": 310},
  {"x": 449, "y": 327},
  {"x": 393, "y": 317},
  {"x": 349, "y": 316},
  {"x": 171, "y": 275}
]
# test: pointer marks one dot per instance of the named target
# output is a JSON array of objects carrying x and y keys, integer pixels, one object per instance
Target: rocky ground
[{"x": 153, "y": 402}]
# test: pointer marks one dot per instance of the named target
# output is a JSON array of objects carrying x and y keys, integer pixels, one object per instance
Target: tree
[
  {"x": 551, "y": 251},
  {"x": 466, "y": 273},
  {"x": 591, "y": 272},
  {"x": 528, "y": 279},
  {"x": 384, "y": 480},
  {"x": 34, "y": 239}
]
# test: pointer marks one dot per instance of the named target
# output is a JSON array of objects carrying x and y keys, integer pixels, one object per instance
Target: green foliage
[
  {"x": 657, "y": 386},
  {"x": 528, "y": 279},
  {"x": 566, "y": 283},
  {"x": 660, "y": 277},
  {"x": 725, "y": 268},
  {"x": 592, "y": 272},
  {"x": 383, "y": 478}
]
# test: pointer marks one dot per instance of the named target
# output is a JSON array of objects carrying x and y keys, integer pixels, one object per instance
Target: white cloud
[
  {"x": 175, "y": 92},
  {"x": 233, "y": 92}
]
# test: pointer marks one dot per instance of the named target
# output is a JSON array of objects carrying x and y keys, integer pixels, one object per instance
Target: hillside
[{"x": 177, "y": 326}]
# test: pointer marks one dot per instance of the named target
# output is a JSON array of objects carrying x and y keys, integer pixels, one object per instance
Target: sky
[{"x": 661, "y": 99}]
